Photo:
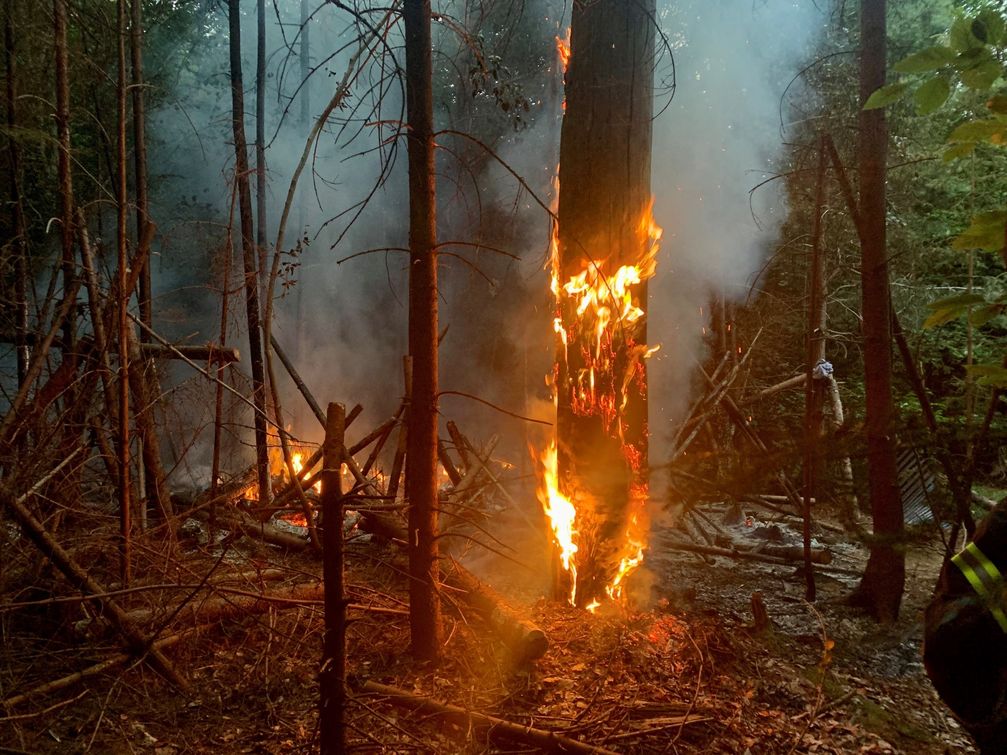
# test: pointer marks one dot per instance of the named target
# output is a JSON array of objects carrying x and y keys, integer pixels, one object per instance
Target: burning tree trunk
[
  {"x": 884, "y": 578},
  {"x": 421, "y": 451},
  {"x": 603, "y": 255}
]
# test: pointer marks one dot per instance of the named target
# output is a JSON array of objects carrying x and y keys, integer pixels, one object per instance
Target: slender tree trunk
[
  {"x": 19, "y": 244},
  {"x": 332, "y": 677},
  {"x": 421, "y": 453},
  {"x": 814, "y": 389},
  {"x": 604, "y": 200},
  {"x": 881, "y": 588},
  {"x": 125, "y": 513},
  {"x": 63, "y": 163},
  {"x": 260, "y": 144},
  {"x": 140, "y": 157},
  {"x": 248, "y": 250},
  {"x": 305, "y": 57}
]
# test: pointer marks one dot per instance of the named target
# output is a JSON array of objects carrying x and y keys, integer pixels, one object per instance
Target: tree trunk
[
  {"x": 19, "y": 244},
  {"x": 332, "y": 676},
  {"x": 248, "y": 250},
  {"x": 260, "y": 143},
  {"x": 421, "y": 452},
  {"x": 125, "y": 505},
  {"x": 604, "y": 206},
  {"x": 63, "y": 162},
  {"x": 814, "y": 388},
  {"x": 140, "y": 157},
  {"x": 881, "y": 588}
]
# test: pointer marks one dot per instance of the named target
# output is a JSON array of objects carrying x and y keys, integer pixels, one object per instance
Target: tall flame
[
  {"x": 562, "y": 515},
  {"x": 603, "y": 305}
]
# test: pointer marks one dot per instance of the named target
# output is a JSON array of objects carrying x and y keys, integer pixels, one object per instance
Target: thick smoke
[
  {"x": 345, "y": 323},
  {"x": 719, "y": 138}
]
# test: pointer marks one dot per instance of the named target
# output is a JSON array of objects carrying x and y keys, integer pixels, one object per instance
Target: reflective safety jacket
[{"x": 986, "y": 580}]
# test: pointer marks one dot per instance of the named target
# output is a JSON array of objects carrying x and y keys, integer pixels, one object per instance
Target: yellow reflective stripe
[{"x": 985, "y": 579}]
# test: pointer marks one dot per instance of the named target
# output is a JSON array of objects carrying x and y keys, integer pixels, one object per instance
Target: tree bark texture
[
  {"x": 122, "y": 305},
  {"x": 605, "y": 195},
  {"x": 332, "y": 677},
  {"x": 19, "y": 243},
  {"x": 63, "y": 162},
  {"x": 421, "y": 451},
  {"x": 140, "y": 157},
  {"x": 248, "y": 250},
  {"x": 884, "y": 577}
]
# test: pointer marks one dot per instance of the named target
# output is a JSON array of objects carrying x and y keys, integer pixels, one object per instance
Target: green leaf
[
  {"x": 985, "y": 232},
  {"x": 993, "y": 375},
  {"x": 958, "y": 150},
  {"x": 987, "y": 130},
  {"x": 983, "y": 315},
  {"x": 994, "y": 24},
  {"x": 961, "y": 36},
  {"x": 932, "y": 94},
  {"x": 946, "y": 310},
  {"x": 886, "y": 95},
  {"x": 930, "y": 59},
  {"x": 982, "y": 76}
]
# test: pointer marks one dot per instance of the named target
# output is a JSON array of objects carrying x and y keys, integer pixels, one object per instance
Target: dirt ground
[{"x": 686, "y": 674}]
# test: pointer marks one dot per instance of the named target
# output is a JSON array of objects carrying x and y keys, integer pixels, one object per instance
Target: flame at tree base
[{"x": 593, "y": 482}]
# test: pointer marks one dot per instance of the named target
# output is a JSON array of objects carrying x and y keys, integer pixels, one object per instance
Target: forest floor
[{"x": 687, "y": 674}]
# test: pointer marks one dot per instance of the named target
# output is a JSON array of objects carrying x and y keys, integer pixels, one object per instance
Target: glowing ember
[{"x": 563, "y": 48}]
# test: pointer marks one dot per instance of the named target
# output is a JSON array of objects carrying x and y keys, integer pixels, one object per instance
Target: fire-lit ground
[{"x": 686, "y": 674}]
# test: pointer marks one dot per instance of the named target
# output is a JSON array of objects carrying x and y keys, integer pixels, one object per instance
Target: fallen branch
[
  {"x": 491, "y": 726},
  {"x": 526, "y": 640},
  {"x": 140, "y": 645}
]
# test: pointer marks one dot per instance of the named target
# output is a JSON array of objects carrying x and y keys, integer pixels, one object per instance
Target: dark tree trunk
[
  {"x": 19, "y": 244},
  {"x": 421, "y": 452},
  {"x": 880, "y": 590},
  {"x": 604, "y": 198},
  {"x": 122, "y": 305},
  {"x": 260, "y": 143},
  {"x": 332, "y": 676},
  {"x": 248, "y": 250},
  {"x": 140, "y": 159},
  {"x": 63, "y": 162}
]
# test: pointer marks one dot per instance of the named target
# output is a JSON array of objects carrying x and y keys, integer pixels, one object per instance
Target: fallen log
[
  {"x": 209, "y": 353},
  {"x": 526, "y": 640},
  {"x": 788, "y": 552},
  {"x": 236, "y": 521},
  {"x": 491, "y": 726}
]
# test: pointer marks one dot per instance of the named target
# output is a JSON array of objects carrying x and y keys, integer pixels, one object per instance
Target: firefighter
[{"x": 965, "y": 634}]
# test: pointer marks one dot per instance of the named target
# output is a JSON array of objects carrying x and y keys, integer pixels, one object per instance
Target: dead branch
[
  {"x": 491, "y": 726},
  {"x": 139, "y": 644}
]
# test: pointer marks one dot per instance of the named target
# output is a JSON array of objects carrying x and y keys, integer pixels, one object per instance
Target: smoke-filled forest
[{"x": 503, "y": 376}]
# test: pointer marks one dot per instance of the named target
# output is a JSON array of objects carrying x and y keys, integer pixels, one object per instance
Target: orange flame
[
  {"x": 562, "y": 515},
  {"x": 563, "y": 49},
  {"x": 602, "y": 303}
]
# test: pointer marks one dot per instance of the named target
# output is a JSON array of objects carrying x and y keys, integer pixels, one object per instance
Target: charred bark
[
  {"x": 881, "y": 588},
  {"x": 421, "y": 452}
]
